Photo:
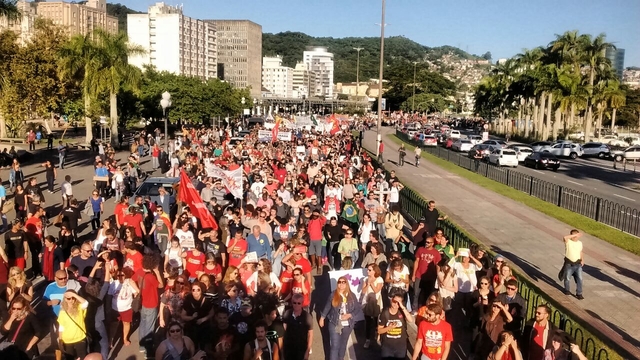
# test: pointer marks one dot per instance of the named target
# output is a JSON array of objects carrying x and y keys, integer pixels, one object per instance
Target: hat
[
  {"x": 246, "y": 302},
  {"x": 463, "y": 252},
  {"x": 498, "y": 256}
]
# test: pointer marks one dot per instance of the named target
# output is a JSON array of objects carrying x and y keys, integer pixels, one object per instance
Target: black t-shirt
[
  {"x": 226, "y": 340},
  {"x": 36, "y": 194},
  {"x": 275, "y": 331},
  {"x": 71, "y": 215},
  {"x": 217, "y": 248},
  {"x": 266, "y": 354},
  {"x": 333, "y": 233},
  {"x": 244, "y": 326},
  {"x": 393, "y": 341},
  {"x": 295, "y": 337},
  {"x": 431, "y": 219},
  {"x": 14, "y": 244},
  {"x": 192, "y": 306},
  {"x": 420, "y": 235}
]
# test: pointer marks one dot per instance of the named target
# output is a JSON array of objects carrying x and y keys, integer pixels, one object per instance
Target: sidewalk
[{"x": 533, "y": 242}]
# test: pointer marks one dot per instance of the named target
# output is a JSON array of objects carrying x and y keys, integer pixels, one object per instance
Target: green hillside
[
  {"x": 290, "y": 46},
  {"x": 120, "y": 11}
]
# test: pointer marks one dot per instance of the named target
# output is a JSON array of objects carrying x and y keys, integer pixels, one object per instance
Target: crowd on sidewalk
[{"x": 240, "y": 287}]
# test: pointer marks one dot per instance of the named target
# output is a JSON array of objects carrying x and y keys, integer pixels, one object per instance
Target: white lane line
[
  {"x": 624, "y": 197},
  {"x": 538, "y": 171},
  {"x": 623, "y": 187},
  {"x": 573, "y": 182}
]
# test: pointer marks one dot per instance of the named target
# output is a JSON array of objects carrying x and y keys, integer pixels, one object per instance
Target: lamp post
[
  {"x": 382, "y": 25},
  {"x": 413, "y": 98},
  {"x": 255, "y": 104},
  {"x": 165, "y": 103},
  {"x": 358, "y": 49}
]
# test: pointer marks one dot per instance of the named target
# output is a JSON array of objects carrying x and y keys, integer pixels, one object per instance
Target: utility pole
[
  {"x": 382, "y": 25},
  {"x": 413, "y": 98},
  {"x": 358, "y": 49}
]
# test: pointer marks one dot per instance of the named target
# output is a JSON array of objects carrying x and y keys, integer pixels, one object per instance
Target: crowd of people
[{"x": 242, "y": 289}]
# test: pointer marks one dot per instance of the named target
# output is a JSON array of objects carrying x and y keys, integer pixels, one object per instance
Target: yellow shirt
[
  {"x": 573, "y": 250},
  {"x": 70, "y": 332}
]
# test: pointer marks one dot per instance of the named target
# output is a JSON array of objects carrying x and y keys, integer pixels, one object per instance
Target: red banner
[{"x": 190, "y": 197}]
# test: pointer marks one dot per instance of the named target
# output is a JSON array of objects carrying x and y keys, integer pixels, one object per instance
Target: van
[{"x": 256, "y": 121}]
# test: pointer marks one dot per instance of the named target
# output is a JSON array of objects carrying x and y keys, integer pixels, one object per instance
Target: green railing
[{"x": 593, "y": 347}]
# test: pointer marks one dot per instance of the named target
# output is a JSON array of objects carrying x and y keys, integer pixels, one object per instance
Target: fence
[{"x": 606, "y": 211}]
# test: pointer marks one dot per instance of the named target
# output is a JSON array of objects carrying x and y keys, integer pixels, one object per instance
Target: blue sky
[{"x": 504, "y": 27}]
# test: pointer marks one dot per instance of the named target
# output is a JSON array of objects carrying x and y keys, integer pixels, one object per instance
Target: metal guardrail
[
  {"x": 593, "y": 347},
  {"x": 606, "y": 211}
]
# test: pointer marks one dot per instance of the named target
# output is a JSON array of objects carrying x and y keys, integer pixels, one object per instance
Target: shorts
[
  {"x": 19, "y": 262},
  {"x": 315, "y": 247},
  {"x": 126, "y": 316}
]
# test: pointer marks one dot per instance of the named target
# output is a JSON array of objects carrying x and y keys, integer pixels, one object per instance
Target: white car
[
  {"x": 495, "y": 143},
  {"x": 430, "y": 140},
  {"x": 633, "y": 140},
  {"x": 462, "y": 145},
  {"x": 504, "y": 157},
  {"x": 566, "y": 149},
  {"x": 475, "y": 139},
  {"x": 522, "y": 150},
  {"x": 455, "y": 134},
  {"x": 613, "y": 141},
  {"x": 632, "y": 153}
]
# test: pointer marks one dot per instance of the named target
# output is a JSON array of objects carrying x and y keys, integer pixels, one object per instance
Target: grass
[{"x": 615, "y": 237}]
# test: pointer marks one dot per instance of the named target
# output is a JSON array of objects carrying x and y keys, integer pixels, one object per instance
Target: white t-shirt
[
  {"x": 394, "y": 196},
  {"x": 398, "y": 276},
  {"x": 187, "y": 241},
  {"x": 174, "y": 256},
  {"x": 253, "y": 281},
  {"x": 467, "y": 281},
  {"x": 256, "y": 188},
  {"x": 123, "y": 293},
  {"x": 366, "y": 230},
  {"x": 368, "y": 291}
]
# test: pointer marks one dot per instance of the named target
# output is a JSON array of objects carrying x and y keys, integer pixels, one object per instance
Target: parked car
[
  {"x": 632, "y": 140},
  {"x": 540, "y": 146},
  {"x": 462, "y": 145},
  {"x": 542, "y": 160},
  {"x": 430, "y": 140},
  {"x": 631, "y": 153},
  {"x": 495, "y": 143},
  {"x": 484, "y": 149},
  {"x": 454, "y": 134},
  {"x": 566, "y": 149},
  {"x": 475, "y": 139},
  {"x": 613, "y": 140},
  {"x": 596, "y": 149},
  {"x": 503, "y": 157},
  {"x": 576, "y": 136},
  {"x": 522, "y": 150}
]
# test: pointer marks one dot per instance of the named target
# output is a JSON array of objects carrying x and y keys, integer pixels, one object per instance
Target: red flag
[
  {"x": 276, "y": 129},
  {"x": 336, "y": 124},
  {"x": 189, "y": 195}
]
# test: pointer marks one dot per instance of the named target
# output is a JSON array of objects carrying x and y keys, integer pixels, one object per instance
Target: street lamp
[
  {"x": 413, "y": 98},
  {"x": 165, "y": 103},
  {"x": 358, "y": 49},
  {"x": 382, "y": 25},
  {"x": 255, "y": 102}
]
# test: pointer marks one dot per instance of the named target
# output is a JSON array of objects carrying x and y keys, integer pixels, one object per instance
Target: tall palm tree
[
  {"x": 78, "y": 63},
  {"x": 9, "y": 9},
  {"x": 113, "y": 71},
  {"x": 594, "y": 56},
  {"x": 617, "y": 99}
]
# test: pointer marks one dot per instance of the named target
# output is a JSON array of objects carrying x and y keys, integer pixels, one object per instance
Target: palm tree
[
  {"x": 9, "y": 9},
  {"x": 617, "y": 99},
  {"x": 77, "y": 62},
  {"x": 113, "y": 70},
  {"x": 594, "y": 56}
]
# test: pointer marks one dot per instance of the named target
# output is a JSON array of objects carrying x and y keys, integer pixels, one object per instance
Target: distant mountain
[
  {"x": 290, "y": 46},
  {"x": 120, "y": 11}
]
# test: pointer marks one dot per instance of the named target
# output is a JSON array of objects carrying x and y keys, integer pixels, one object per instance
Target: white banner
[
  {"x": 231, "y": 179},
  {"x": 264, "y": 135},
  {"x": 354, "y": 278},
  {"x": 267, "y": 135}
]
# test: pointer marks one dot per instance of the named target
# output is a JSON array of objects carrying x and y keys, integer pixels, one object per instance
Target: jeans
[
  {"x": 119, "y": 194},
  {"x": 162, "y": 240},
  {"x": 371, "y": 327},
  {"x": 60, "y": 161},
  {"x": 104, "y": 338},
  {"x": 95, "y": 220},
  {"x": 50, "y": 182},
  {"x": 147, "y": 328},
  {"x": 574, "y": 270},
  {"x": 421, "y": 289},
  {"x": 338, "y": 341}
]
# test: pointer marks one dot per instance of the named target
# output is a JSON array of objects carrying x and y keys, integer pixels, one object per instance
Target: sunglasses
[
  {"x": 180, "y": 282},
  {"x": 68, "y": 298},
  {"x": 484, "y": 283},
  {"x": 511, "y": 288},
  {"x": 175, "y": 331},
  {"x": 64, "y": 278},
  {"x": 196, "y": 290},
  {"x": 296, "y": 303},
  {"x": 17, "y": 308},
  {"x": 342, "y": 282}
]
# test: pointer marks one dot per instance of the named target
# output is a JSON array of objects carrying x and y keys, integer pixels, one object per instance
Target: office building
[
  {"x": 76, "y": 18},
  {"x": 277, "y": 79},
  {"x": 173, "y": 42},
  {"x": 239, "y": 44},
  {"x": 305, "y": 81},
  {"x": 320, "y": 61},
  {"x": 616, "y": 56}
]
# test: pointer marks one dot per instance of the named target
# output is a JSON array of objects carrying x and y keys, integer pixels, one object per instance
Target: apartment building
[
  {"x": 305, "y": 81},
  {"x": 76, "y": 18},
  {"x": 239, "y": 45},
  {"x": 174, "y": 42},
  {"x": 320, "y": 61},
  {"x": 277, "y": 79}
]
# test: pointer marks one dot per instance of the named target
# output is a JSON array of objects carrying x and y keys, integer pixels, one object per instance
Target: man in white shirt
[
  {"x": 66, "y": 190},
  {"x": 257, "y": 186}
]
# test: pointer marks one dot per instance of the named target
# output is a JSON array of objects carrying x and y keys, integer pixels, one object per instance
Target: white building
[
  {"x": 276, "y": 78},
  {"x": 305, "y": 81},
  {"x": 320, "y": 61},
  {"x": 174, "y": 42}
]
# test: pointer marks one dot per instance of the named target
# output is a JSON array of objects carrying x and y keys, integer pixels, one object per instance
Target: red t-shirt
[
  {"x": 296, "y": 288},
  {"x": 433, "y": 338},
  {"x": 536, "y": 350},
  {"x": 194, "y": 263},
  {"x": 134, "y": 261},
  {"x": 286, "y": 278},
  {"x": 281, "y": 175},
  {"x": 134, "y": 220},
  {"x": 149, "y": 291},
  {"x": 425, "y": 257},
  {"x": 240, "y": 246},
  {"x": 120, "y": 212},
  {"x": 217, "y": 269},
  {"x": 305, "y": 265},
  {"x": 34, "y": 226}
]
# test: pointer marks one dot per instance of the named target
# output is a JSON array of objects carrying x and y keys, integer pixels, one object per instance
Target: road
[{"x": 593, "y": 176}]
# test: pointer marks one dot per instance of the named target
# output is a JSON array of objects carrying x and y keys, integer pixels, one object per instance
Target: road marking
[
  {"x": 538, "y": 171},
  {"x": 624, "y": 197},
  {"x": 624, "y": 187},
  {"x": 573, "y": 182}
]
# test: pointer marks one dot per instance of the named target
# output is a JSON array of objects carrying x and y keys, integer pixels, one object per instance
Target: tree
[
  {"x": 9, "y": 9},
  {"x": 112, "y": 70},
  {"x": 594, "y": 50},
  {"x": 487, "y": 56}
]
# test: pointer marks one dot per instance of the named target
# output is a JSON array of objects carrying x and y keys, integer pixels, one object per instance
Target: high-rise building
[
  {"x": 174, "y": 42},
  {"x": 616, "y": 56},
  {"x": 76, "y": 18},
  {"x": 320, "y": 61},
  {"x": 305, "y": 81},
  {"x": 240, "y": 53},
  {"x": 277, "y": 79}
]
